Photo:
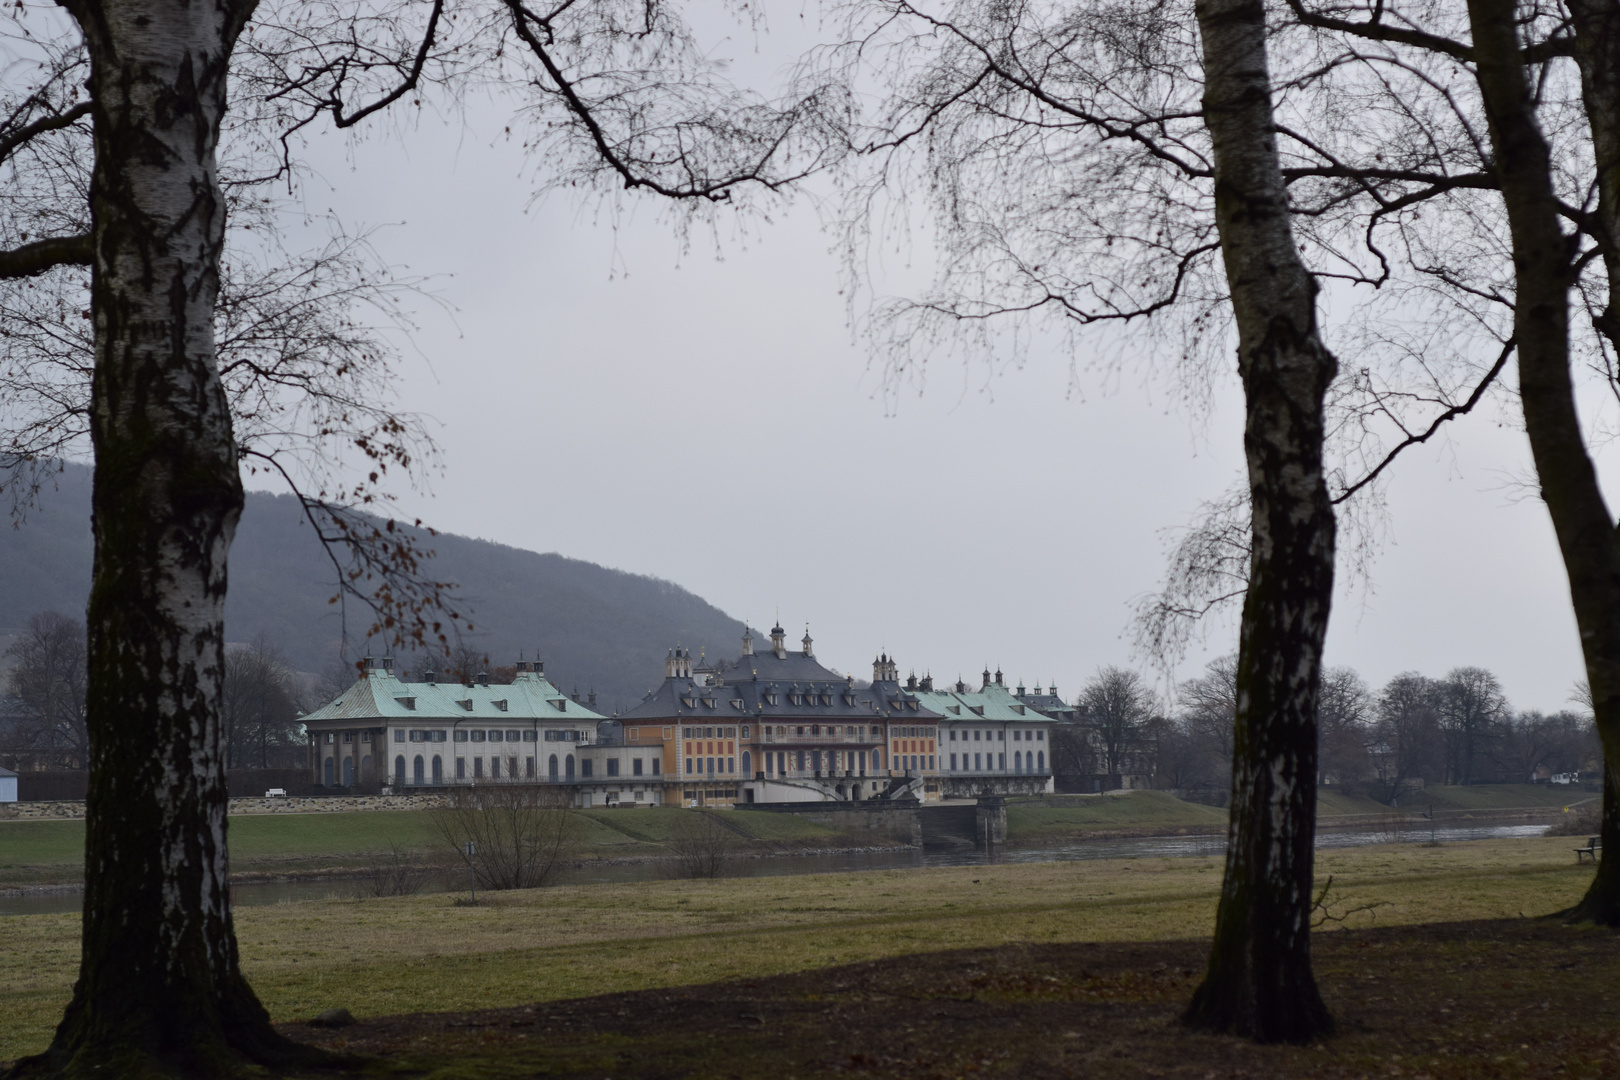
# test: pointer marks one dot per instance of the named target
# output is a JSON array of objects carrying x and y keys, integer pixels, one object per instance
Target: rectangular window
[
  {"x": 461, "y": 736},
  {"x": 657, "y": 766},
  {"x": 613, "y": 767},
  {"x": 348, "y": 736},
  {"x": 635, "y": 767},
  {"x": 731, "y": 764},
  {"x": 1040, "y": 736},
  {"x": 399, "y": 735},
  {"x": 415, "y": 735},
  {"x": 585, "y": 768},
  {"x": 494, "y": 736},
  {"x": 1003, "y": 764},
  {"x": 478, "y": 768},
  {"x": 529, "y": 735},
  {"x": 494, "y": 768},
  {"x": 511, "y": 767},
  {"x": 514, "y": 735},
  {"x": 528, "y": 767},
  {"x": 745, "y": 733},
  {"x": 688, "y": 765},
  {"x": 976, "y": 735},
  {"x": 930, "y": 762},
  {"x": 635, "y": 734},
  {"x": 976, "y": 763},
  {"x": 953, "y": 761},
  {"x": 365, "y": 736},
  {"x": 477, "y": 736},
  {"x": 461, "y": 768}
]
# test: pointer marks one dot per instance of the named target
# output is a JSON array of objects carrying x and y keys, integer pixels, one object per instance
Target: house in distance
[{"x": 773, "y": 725}]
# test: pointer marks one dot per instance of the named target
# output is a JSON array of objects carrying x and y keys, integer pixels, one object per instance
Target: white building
[
  {"x": 990, "y": 742},
  {"x": 428, "y": 733}
]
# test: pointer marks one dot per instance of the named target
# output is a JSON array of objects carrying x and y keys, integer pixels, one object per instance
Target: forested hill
[{"x": 593, "y": 627}]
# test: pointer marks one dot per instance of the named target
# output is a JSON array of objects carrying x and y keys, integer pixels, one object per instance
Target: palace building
[{"x": 770, "y": 726}]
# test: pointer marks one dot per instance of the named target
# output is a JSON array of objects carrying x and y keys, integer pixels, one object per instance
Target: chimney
[
  {"x": 427, "y": 676},
  {"x": 590, "y": 699},
  {"x": 576, "y": 695},
  {"x": 911, "y": 681},
  {"x": 483, "y": 678}
]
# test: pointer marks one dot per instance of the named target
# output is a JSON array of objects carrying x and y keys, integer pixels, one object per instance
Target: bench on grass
[{"x": 1590, "y": 851}]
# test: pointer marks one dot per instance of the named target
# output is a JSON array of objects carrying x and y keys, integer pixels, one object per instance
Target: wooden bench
[{"x": 1590, "y": 851}]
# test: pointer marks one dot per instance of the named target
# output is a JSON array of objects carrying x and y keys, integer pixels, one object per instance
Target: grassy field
[
  {"x": 386, "y": 956},
  {"x": 42, "y": 852},
  {"x": 1037, "y": 819}
]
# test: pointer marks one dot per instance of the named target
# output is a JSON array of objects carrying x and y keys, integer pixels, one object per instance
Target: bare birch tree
[{"x": 618, "y": 95}]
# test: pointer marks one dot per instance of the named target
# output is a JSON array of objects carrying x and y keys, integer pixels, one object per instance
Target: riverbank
[
  {"x": 381, "y": 957},
  {"x": 49, "y": 854}
]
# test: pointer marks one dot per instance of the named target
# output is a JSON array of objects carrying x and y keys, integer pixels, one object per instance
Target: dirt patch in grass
[{"x": 1514, "y": 998}]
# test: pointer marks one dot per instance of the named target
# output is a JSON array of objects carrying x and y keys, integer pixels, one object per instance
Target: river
[{"x": 284, "y": 892}]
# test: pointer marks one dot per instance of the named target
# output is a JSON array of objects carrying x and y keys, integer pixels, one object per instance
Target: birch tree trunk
[
  {"x": 1592, "y": 551},
  {"x": 1259, "y": 982},
  {"x": 160, "y": 990}
]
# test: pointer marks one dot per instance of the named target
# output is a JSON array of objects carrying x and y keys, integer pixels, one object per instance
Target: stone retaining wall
[{"x": 24, "y": 811}]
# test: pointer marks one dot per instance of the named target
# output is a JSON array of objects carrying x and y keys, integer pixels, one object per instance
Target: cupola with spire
[
  {"x": 779, "y": 641},
  {"x": 808, "y": 651}
]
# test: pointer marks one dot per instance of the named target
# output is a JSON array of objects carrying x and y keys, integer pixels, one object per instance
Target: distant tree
[
  {"x": 1344, "y": 720},
  {"x": 1563, "y": 742},
  {"x": 1209, "y": 706},
  {"x": 522, "y": 834},
  {"x": 1118, "y": 704},
  {"x": 704, "y": 845},
  {"x": 1471, "y": 709},
  {"x": 258, "y": 706},
  {"x": 48, "y": 684},
  {"x": 1408, "y": 726}
]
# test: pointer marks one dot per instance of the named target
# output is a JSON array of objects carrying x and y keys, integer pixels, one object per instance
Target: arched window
[
  {"x": 365, "y": 768},
  {"x": 416, "y": 770},
  {"x": 328, "y": 780},
  {"x": 438, "y": 769},
  {"x": 461, "y": 768},
  {"x": 399, "y": 770},
  {"x": 1018, "y": 759},
  {"x": 568, "y": 766},
  {"x": 552, "y": 771},
  {"x": 1040, "y": 757},
  {"x": 748, "y": 764}
]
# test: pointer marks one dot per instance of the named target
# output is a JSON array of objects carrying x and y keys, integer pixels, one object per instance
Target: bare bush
[
  {"x": 704, "y": 846},
  {"x": 399, "y": 873},
  {"x": 521, "y": 833}
]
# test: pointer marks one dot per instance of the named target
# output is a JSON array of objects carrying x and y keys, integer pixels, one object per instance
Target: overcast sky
[{"x": 598, "y": 394}]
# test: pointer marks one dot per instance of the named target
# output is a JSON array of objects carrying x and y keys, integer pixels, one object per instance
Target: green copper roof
[
  {"x": 378, "y": 695},
  {"x": 994, "y": 703}
]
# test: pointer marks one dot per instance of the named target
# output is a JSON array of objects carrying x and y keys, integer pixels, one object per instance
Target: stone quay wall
[{"x": 336, "y": 804}]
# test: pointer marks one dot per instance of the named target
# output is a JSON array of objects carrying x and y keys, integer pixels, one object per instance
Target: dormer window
[
  {"x": 408, "y": 702},
  {"x": 737, "y": 703},
  {"x": 466, "y": 703},
  {"x": 501, "y": 704},
  {"x": 708, "y": 702}
]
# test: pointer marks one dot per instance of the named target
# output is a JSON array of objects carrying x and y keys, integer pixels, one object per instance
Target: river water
[{"x": 284, "y": 892}]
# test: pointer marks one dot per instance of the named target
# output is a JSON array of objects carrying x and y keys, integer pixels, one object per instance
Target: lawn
[
  {"x": 38, "y": 852},
  {"x": 387, "y": 956},
  {"x": 1036, "y": 819}
]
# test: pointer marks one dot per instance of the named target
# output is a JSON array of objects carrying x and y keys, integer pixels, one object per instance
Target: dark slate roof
[{"x": 763, "y": 687}]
